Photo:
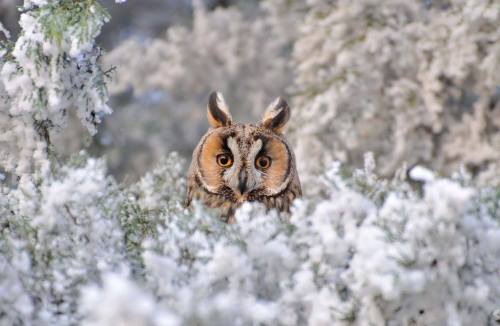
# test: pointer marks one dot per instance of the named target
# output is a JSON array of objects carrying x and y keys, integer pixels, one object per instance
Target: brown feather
[{"x": 221, "y": 187}]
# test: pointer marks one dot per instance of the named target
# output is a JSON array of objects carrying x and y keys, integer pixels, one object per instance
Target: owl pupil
[
  {"x": 224, "y": 160},
  {"x": 263, "y": 162}
]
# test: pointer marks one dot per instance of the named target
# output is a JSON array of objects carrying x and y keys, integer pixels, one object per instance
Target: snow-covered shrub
[
  {"x": 4, "y": 31},
  {"x": 413, "y": 81},
  {"x": 58, "y": 224},
  {"x": 370, "y": 252},
  {"x": 72, "y": 237},
  {"x": 78, "y": 248},
  {"x": 121, "y": 302},
  {"x": 363, "y": 251},
  {"x": 51, "y": 69}
]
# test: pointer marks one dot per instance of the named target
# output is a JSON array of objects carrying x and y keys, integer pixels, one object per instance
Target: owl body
[{"x": 235, "y": 163}]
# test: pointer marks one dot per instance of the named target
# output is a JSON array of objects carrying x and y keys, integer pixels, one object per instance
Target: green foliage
[
  {"x": 137, "y": 225},
  {"x": 57, "y": 18}
]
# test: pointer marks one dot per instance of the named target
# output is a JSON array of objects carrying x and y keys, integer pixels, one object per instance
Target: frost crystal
[
  {"x": 4, "y": 31},
  {"x": 359, "y": 248},
  {"x": 51, "y": 69},
  {"x": 412, "y": 81},
  {"x": 120, "y": 302}
]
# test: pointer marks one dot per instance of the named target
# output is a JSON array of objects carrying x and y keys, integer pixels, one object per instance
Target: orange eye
[
  {"x": 224, "y": 160},
  {"x": 263, "y": 162}
]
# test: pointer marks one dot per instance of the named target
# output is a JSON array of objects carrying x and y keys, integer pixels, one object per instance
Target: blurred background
[
  {"x": 414, "y": 82},
  {"x": 167, "y": 56}
]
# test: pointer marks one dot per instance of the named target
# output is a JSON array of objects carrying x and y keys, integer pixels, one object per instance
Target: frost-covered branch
[
  {"x": 369, "y": 251},
  {"x": 412, "y": 81},
  {"x": 78, "y": 248},
  {"x": 4, "y": 31},
  {"x": 51, "y": 69}
]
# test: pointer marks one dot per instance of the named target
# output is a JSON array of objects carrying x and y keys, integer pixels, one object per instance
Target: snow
[
  {"x": 120, "y": 302},
  {"x": 4, "y": 31},
  {"x": 364, "y": 246},
  {"x": 347, "y": 256},
  {"x": 420, "y": 173}
]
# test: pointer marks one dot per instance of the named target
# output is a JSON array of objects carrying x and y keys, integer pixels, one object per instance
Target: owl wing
[
  {"x": 297, "y": 188},
  {"x": 189, "y": 196},
  {"x": 191, "y": 183}
]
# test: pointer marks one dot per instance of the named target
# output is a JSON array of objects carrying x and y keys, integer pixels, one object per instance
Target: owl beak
[
  {"x": 242, "y": 184},
  {"x": 242, "y": 187}
]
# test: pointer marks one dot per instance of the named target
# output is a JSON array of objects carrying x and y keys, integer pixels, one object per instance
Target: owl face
[
  {"x": 244, "y": 161},
  {"x": 236, "y": 162}
]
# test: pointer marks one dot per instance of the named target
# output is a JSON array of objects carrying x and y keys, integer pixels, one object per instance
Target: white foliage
[
  {"x": 14, "y": 264},
  {"x": 51, "y": 69},
  {"x": 121, "y": 303},
  {"x": 343, "y": 259},
  {"x": 73, "y": 236},
  {"x": 4, "y": 31},
  {"x": 420, "y": 173},
  {"x": 35, "y": 85},
  {"x": 367, "y": 251},
  {"x": 412, "y": 81},
  {"x": 77, "y": 248},
  {"x": 224, "y": 49}
]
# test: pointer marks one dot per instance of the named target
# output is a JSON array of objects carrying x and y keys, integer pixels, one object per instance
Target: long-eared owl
[{"x": 235, "y": 162}]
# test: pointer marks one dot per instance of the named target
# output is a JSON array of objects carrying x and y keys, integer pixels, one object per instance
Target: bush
[{"x": 359, "y": 249}]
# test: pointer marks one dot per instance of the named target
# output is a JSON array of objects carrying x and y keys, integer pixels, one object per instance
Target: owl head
[{"x": 237, "y": 162}]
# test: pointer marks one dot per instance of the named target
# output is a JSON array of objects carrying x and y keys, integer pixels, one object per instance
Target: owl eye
[
  {"x": 224, "y": 160},
  {"x": 263, "y": 162}
]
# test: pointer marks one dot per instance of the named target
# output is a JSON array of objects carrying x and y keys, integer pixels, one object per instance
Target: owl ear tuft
[
  {"x": 276, "y": 116},
  {"x": 217, "y": 111}
]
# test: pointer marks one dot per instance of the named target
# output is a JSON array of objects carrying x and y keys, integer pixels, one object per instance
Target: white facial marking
[
  {"x": 231, "y": 175},
  {"x": 255, "y": 149},
  {"x": 252, "y": 156}
]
